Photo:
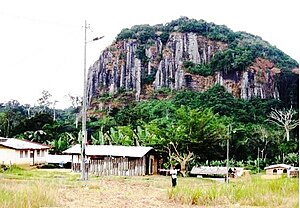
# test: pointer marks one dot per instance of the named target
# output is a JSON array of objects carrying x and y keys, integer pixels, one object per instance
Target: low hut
[
  {"x": 115, "y": 160},
  {"x": 212, "y": 171},
  {"x": 279, "y": 169}
]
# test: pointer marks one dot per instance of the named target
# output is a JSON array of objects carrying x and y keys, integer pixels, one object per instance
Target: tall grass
[
  {"x": 281, "y": 192},
  {"x": 24, "y": 187},
  {"x": 27, "y": 194}
]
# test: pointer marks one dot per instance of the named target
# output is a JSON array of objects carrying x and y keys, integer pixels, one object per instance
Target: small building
[
  {"x": 115, "y": 160},
  {"x": 22, "y": 152},
  {"x": 279, "y": 169},
  {"x": 213, "y": 171}
]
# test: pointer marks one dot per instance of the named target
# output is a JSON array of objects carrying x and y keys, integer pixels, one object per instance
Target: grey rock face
[{"x": 120, "y": 67}]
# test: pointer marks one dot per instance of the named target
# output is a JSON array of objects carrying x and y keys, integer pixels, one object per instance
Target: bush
[
  {"x": 201, "y": 69},
  {"x": 12, "y": 169},
  {"x": 164, "y": 37},
  {"x": 125, "y": 34},
  {"x": 188, "y": 64},
  {"x": 3, "y": 168},
  {"x": 141, "y": 53}
]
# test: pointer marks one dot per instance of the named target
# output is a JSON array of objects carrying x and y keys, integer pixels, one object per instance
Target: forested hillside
[
  {"x": 184, "y": 88},
  {"x": 187, "y": 86}
]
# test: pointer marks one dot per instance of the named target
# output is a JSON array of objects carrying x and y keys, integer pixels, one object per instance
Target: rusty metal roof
[{"x": 110, "y": 150}]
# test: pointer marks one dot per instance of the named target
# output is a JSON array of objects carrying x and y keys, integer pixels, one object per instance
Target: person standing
[{"x": 173, "y": 173}]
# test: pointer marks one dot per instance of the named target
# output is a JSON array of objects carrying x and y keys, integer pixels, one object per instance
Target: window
[
  {"x": 21, "y": 154},
  {"x": 31, "y": 153},
  {"x": 38, "y": 153},
  {"x": 26, "y": 153}
]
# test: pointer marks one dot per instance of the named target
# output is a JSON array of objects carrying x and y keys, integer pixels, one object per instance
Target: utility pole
[
  {"x": 84, "y": 173},
  {"x": 258, "y": 160},
  {"x": 84, "y": 134},
  {"x": 227, "y": 153}
]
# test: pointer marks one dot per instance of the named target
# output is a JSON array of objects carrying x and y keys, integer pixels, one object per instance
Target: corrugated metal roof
[
  {"x": 110, "y": 150},
  {"x": 20, "y": 144},
  {"x": 278, "y": 166},
  {"x": 204, "y": 170}
]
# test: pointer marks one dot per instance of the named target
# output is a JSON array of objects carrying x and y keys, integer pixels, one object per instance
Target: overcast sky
[{"x": 41, "y": 42}]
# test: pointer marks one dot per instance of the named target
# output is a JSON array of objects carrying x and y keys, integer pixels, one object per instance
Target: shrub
[
  {"x": 201, "y": 69},
  {"x": 188, "y": 64}
]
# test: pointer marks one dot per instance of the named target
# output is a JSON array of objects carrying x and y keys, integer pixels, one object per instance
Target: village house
[
  {"x": 280, "y": 169},
  {"x": 22, "y": 152},
  {"x": 115, "y": 160},
  {"x": 212, "y": 171}
]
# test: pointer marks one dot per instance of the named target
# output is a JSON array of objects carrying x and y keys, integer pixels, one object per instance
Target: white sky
[{"x": 41, "y": 42}]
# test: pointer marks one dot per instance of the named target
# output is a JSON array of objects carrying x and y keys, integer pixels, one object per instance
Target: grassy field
[{"x": 61, "y": 188}]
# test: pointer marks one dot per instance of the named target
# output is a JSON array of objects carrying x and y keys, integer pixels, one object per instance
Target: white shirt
[{"x": 173, "y": 173}]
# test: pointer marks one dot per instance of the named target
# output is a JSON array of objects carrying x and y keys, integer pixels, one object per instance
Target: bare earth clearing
[
  {"x": 122, "y": 192},
  {"x": 119, "y": 192}
]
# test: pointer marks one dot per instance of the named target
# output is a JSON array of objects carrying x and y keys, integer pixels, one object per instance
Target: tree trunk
[
  {"x": 287, "y": 132},
  {"x": 183, "y": 168}
]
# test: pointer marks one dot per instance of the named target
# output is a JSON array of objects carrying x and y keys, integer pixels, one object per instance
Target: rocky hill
[{"x": 190, "y": 54}]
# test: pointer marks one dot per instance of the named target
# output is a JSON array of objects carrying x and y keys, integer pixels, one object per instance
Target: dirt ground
[{"x": 124, "y": 192}]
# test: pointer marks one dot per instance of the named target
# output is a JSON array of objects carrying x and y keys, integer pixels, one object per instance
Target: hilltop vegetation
[{"x": 243, "y": 47}]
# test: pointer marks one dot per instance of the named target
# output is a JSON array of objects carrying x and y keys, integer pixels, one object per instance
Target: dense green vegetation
[
  {"x": 198, "y": 123},
  {"x": 186, "y": 129},
  {"x": 37, "y": 123}
]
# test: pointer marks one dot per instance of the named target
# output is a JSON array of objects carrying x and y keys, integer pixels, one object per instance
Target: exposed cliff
[{"x": 145, "y": 58}]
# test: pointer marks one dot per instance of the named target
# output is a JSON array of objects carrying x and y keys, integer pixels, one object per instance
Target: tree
[
  {"x": 261, "y": 138},
  {"x": 284, "y": 118},
  {"x": 35, "y": 136},
  {"x": 76, "y": 103},
  {"x": 189, "y": 134},
  {"x": 64, "y": 142},
  {"x": 12, "y": 118},
  {"x": 44, "y": 101},
  {"x": 181, "y": 158}
]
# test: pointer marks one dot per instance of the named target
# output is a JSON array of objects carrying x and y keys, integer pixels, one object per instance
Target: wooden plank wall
[{"x": 118, "y": 166}]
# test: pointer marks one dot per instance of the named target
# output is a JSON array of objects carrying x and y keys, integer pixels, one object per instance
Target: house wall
[
  {"x": 76, "y": 159},
  {"x": 31, "y": 157},
  {"x": 119, "y": 166},
  {"x": 153, "y": 164},
  {"x": 40, "y": 156},
  {"x": 7, "y": 156},
  {"x": 270, "y": 171}
]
